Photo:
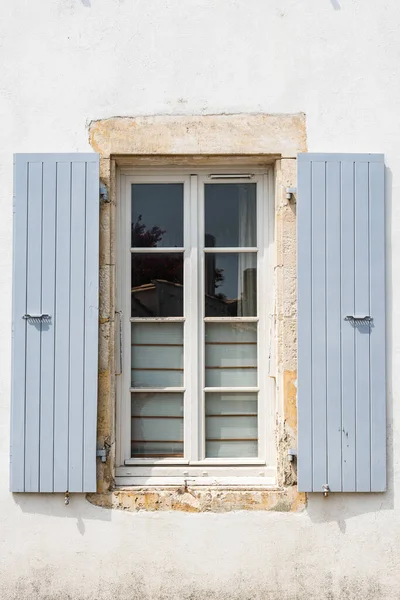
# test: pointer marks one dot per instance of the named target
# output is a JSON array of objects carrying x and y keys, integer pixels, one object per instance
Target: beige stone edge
[{"x": 206, "y": 137}]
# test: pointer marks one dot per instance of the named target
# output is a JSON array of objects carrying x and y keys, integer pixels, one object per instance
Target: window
[{"x": 195, "y": 292}]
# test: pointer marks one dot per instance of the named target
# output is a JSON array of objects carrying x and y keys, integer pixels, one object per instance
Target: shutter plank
[
  {"x": 342, "y": 413},
  {"x": 333, "y": 326},
  {"x": 304, "y": 285},
  {"x": 377, "y": 338},
  {"x": 348, "y": 332},
  {"x": 33, "y": 334},
  {"x": 91, "y": 325},
  {"x": 362, "y": 331},
  {"x": 77, "y": 324},
  {"x": 62, "y": 334},
  {"x": 318, "y": 325},
  {"x": 17, "y": 453},
  {"x": 48, "y": 306}
]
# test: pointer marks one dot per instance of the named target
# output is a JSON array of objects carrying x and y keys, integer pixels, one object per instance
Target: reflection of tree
[
  {"x": 145, "y": 238},
  {"x": 167, "y": 267}
]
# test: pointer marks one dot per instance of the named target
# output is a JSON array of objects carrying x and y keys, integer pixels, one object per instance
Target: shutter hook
[
  {"x": 66, "y": 498},
  {"x": 326, "y": 490}
]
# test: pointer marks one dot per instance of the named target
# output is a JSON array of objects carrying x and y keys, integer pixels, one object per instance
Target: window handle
[
  {"x": 355, "y": 318},
  {"x": 37, "y": 318}
]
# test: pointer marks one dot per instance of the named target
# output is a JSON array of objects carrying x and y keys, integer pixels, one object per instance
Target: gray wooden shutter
[
  {"x": 341, "y": 360},
  {"x": 54, "y": 359}
]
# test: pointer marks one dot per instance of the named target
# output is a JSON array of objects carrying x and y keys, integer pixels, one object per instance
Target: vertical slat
[
  {"x": 91, "y": 326},
  {"x": 77, "y": 326},
  {"x": 17, "y": 454},
  {"x": 318, "y": 325},
  {"x": 348, "y": 332},
  {"x": 305, "y": 432},
  {"x": 362, "y": 331},
  {"x": 33, "y": 335},
  {"x": 47, "y": 362},
  {"x": 334, "y": 323},
  {"x": 62, "y": 326},
  {"x": 377, "y": 336}
]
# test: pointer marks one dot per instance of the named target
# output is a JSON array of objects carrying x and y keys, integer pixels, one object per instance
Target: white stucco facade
[{"x": 65, "y": 63}]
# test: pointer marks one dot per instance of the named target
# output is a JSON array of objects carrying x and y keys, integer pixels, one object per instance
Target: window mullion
[{"x": 191, "y": 366}]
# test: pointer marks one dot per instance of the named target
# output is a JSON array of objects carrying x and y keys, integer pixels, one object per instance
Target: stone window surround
[{"x": 256, "y": 139}]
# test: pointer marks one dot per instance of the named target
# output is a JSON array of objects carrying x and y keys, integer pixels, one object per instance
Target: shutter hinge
[
  {"x": 290, "y": 193},
  {"x": 102, "y": 453},
  {"x": 103, "y": 193}
]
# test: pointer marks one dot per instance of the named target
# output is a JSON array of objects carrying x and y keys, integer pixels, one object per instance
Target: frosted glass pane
[
  {"x": 157, "y": 356},
  {"x": 232, "y": 449},
  {"x": 148, "y": 429},
  {"x": 231, "y": 332},
  {"x": 230, "y": 285},
  {"x": 156, "y": 449},
  {"x": 156, "y": 379},
  {"x": 157, "y": 333},
  {"x": 233, "y": 403},
  {"x": 153, "y": 404},
  {"x": 231, "y": 377},
  {"x": 221, "y": 428},
  {"x": 157, "y": 285},
  {"x": 230, "y": 214},
  {"x": 157, "y": 215},
  {"x": 232, "y": 355}
]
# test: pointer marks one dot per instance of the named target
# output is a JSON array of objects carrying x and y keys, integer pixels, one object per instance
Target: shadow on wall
[
  {"x": 339, "y": 507},
  {"x": 334, "y": 3},
  {"x": 53, "y": 505},
  {"x": 88, "y": 4}
]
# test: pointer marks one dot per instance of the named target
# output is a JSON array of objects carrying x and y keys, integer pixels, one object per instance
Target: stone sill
[{"x": 198, "y": 499}]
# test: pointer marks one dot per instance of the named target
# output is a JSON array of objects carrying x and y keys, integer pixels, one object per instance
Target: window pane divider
[
  {"x": 221, "y": 250},
  {"x": 157, "y": 250},
  {"x": 231, "y": 389},
  {"x": 157, "y": 319},
  {"x": 231, "y": 319},
  {"x": 170, "y": 390}
]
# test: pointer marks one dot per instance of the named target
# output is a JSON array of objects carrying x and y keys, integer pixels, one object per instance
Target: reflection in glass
[
  {"x": 231, "y": 285},
  {"x": 157, "y": 215},
  {"x": 230, "y": 215},
  {"x": 157, "y": 285},
  {"x": 157, "y": 425}
]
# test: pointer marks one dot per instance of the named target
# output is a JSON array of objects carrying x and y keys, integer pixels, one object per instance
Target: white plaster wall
[{"x": 65, "y": 62}]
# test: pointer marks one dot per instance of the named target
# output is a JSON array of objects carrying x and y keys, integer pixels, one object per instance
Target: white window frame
[{"x": 192, "y": 468}]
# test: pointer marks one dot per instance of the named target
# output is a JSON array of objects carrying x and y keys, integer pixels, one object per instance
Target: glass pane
[
  {"x": 157, "y": 405},
  {"x": 223, "y": 377},
  {"x": 231, "y": 425},
  {"x": 231, "y": 333},
  {"x": 157, "y": 215},
  {"x": 157, "y": 355},
  {"x": 231, "y": 354},
  {"x": 228, "y": 404},
  {"x": 157, "y": 333},
  {"x": 231, "y": 285},
  {"x": 157, "y": 285},
  {"x": 235, "y": 449},
  {"x": 230, "y": 215},
  {"x": 157, "y": 449},
  {"x": 157, "y": 424}
]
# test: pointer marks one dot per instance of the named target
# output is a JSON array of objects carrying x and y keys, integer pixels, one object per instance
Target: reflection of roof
[{"x": 151, "y": 286}]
